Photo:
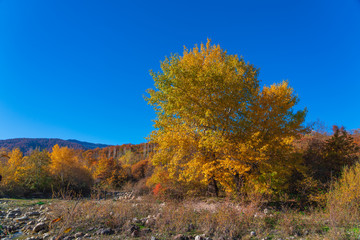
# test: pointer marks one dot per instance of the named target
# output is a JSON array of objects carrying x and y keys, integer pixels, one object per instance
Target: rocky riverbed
[
  {"x": 20, "y": 221},
  {"x": 34, "y": 220}
]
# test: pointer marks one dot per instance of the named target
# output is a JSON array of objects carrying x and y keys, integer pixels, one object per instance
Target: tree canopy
[{"x": 215, "y": 125}]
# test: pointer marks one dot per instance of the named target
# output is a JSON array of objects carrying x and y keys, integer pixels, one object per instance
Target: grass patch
[{"x": 222, "y": 218}]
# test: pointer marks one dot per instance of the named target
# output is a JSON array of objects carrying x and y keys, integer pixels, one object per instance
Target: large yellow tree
[{"x": 215, "y": 125}]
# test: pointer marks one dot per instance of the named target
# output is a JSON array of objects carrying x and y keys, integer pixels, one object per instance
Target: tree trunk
[
  {"x": 213, "y": 188},
  {"x": 239, "y": 182}
]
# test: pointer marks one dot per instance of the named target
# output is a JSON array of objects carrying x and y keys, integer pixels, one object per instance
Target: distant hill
[
  {"x": 87, "y": 145},
  {"x": 28, "y": 144}
]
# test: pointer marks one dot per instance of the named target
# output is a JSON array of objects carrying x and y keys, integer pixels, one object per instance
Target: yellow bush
[{"x": 344, "y": 198}]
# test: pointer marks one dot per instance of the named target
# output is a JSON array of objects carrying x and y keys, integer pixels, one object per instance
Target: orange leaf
[{"x": 56, "y": 220}]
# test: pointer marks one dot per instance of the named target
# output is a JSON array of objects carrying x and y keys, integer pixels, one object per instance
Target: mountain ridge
[{"x": 28, "y": 144}]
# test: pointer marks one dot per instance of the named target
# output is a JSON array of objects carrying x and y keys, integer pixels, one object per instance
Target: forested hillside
[{"x": 28, "y": 144}]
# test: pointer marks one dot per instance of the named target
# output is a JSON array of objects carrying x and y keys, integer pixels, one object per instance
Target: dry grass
[
  {"x": 215, "y": 219},
  {"x": 82, "y": 215}
]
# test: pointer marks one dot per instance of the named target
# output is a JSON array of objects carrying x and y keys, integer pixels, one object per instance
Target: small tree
[
  {"x": 340, "y": 150},
  {"x": 326, "y": 159},
  {"x": 139, "y": 169},
  {"x": 36, "y": 171},
  {"x": 68, "y": 169},
  {"x": 110, "y": 172}
]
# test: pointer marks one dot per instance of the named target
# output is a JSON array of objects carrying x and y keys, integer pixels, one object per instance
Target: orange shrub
[
  {"x": 158, "y": 190},
  {"x": 138, "y": 170}
]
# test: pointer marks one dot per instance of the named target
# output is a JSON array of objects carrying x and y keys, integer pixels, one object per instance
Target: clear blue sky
[{"x": 79, "y": 68}]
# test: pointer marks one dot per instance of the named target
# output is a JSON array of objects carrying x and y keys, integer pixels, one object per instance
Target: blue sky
[{"x": 79, "y": 68}]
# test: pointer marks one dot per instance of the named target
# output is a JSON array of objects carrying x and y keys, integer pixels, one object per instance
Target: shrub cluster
[{"x": 65, "y": 169}]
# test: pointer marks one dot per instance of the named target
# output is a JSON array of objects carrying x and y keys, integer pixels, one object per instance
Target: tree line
[
  {"x": 63, "y": 168},
  {"x": 317, "y": 159}
]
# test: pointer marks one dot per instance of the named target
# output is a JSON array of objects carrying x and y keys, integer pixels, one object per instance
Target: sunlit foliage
[
  {"x": 110, "y": 173},
  {"x": 216, "y": 126},
  {"x": 344, "y": 197},
  {"x": 10, "y": 172},
  {"x": 36, "y": 176},
  {"x": 68, "y": 169}
]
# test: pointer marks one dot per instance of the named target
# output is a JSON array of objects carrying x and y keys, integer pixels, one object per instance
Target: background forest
[{"x": 320, "y": 157}]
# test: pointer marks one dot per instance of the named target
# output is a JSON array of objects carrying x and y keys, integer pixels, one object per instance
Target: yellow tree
[
  {"x": 61, "y": 161},
  {"x": 4, "y": 157},
  {"x": 14, "y": 164},
  {"x": 215, "y": 125},
  {"x": 110, "y": 172},
  {"x": 68, "y": 168},
  {"x": 36, "y": 175}
]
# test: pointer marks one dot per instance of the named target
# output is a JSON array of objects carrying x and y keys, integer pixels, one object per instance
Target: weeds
[
  {"x": 232, "y": 220},
  {"x": 214, "y": 218}
]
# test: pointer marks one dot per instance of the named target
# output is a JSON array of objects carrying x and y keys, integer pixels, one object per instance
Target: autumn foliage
[
  {"x": 218, "y": 132},
  {"x": 140, "y": 169},
  {"x": 316, "y": 160},
  {"x": 69, "y": 169},
  {"x": 216, "y": 127},
  {"x": 110, "y": 173},
  {"x": 63, "y": 168}
]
